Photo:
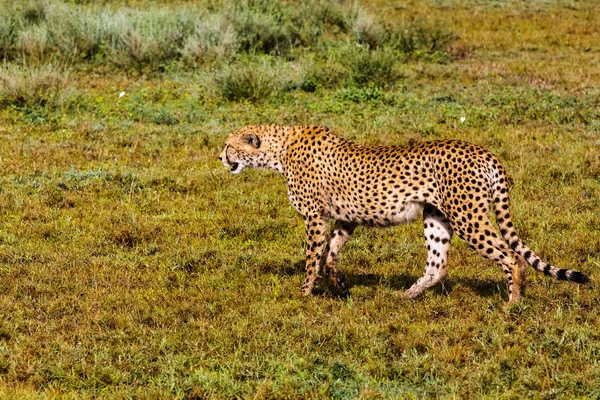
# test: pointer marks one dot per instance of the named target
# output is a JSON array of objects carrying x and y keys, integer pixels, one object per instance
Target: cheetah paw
[{"x": 412, "y": 293}]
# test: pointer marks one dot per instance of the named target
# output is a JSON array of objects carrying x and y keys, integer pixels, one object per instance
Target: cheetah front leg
[
  {"x": 438, "y": 234},
  {"x": 340, "y": 235},
  {"x": 316, "y": 238}
]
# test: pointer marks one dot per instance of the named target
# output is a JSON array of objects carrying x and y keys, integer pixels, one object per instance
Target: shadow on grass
[
  {"x": 282, "y": 268},
  {"x": 483, "y": 287},
  {"x": 401, "y": 282},
  {"x": 395, "y": 282}
]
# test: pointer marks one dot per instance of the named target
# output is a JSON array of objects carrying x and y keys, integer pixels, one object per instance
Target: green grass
[{"x": 134, "y": 265}]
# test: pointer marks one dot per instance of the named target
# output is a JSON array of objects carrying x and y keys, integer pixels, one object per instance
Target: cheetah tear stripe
[{"x": 453, "y": 183}]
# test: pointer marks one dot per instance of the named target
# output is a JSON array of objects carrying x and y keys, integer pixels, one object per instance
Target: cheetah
[{"x": 453, "y": 184}]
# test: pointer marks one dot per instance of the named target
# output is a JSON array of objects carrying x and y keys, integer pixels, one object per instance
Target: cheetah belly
[
  {"x": 395, "y": 214},
  {"x": 409, "y": 213}
]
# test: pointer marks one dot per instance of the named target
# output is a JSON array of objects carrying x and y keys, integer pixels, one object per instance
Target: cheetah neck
[{"x": 288, "y": 132}]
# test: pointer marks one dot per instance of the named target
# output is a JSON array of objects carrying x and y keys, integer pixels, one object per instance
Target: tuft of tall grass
[
  {"x": 352, "y": 64},
  {"x": 33, "y": 42},
  {"x": 40, "y": 86},
  {"x": 150, "y": 38},
  {"x": 214, "y": 39},
  {"x": 422, "y": 42},
  {"x": 375, "y": 67},
  {"x": 267, "y": 32},
  {"x": 368, "y": 30},
  {"x": 33, "y": 12},
  {"x": 248, "y": 81},
  {"x": 324, "y": 73}
]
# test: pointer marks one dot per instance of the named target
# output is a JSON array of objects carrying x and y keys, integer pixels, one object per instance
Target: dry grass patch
[{"x": 41, "y": 86}]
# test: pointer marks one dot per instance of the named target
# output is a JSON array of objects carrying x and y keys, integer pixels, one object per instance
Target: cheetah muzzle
[{"x": 452, "y": 183}]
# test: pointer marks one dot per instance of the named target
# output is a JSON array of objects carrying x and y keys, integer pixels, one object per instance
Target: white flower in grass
[
  {"x": 462, "y": 119},
  {"x": 121, "y": 94}
]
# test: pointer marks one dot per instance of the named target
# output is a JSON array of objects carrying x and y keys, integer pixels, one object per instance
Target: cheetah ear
[{"x": 253, "y": 140}]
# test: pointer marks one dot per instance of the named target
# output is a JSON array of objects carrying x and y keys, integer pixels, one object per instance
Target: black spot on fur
[{"x": 547, "y": 269}]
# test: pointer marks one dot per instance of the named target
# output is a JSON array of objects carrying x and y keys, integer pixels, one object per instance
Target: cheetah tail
[{"x": 499, "y": 192}]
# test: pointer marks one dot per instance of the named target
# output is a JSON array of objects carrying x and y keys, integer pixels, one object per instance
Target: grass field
[{"x": 134, "y": 265}]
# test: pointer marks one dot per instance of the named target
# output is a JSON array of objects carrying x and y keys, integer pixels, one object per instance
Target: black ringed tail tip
[{"x": 578, "y": 277}]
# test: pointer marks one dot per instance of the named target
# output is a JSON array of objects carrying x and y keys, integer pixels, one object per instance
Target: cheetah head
[{"x": 254, "y": 146}]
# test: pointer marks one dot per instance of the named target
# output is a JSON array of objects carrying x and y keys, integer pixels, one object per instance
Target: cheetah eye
[{"x": 253, "y": 140}]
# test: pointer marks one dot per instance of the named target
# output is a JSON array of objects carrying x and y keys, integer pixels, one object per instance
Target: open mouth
[{"x": 236, "y": 167}]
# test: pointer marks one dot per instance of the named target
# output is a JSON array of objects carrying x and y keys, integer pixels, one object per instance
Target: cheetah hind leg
[
  {"x": 438, "y": 234},
  {"x": 340, "y": 235},
  {"x": 487, "y": 242}
]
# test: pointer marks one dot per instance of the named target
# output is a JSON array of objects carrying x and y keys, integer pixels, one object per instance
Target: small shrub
[
  {"x": 80, "y": 37},
  {"x": 308, "y": 85},
  {"x": 360, "y": 95},
  {"x": 150, "y": 39},
  {"x": 214, "y": 38},
  {"x": 261, "y": 33},
  {"x": 421, "y": 42},
  {"x": 44, "y": 86},
  {"x": 368, "y": 31},
  {"x": 332, "y": 14},
  {"x": 246, "y": 81},
  {"x": 370, "y": 67},
  {"x": 277, "y": 27},
  {"x": 325, "y": 74},
  {"x": 164, "y": 116},
  {"x": 6, "y": 38},
  {"x": 33, "y": 42},
  {"x": 34, "y": 12}
]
